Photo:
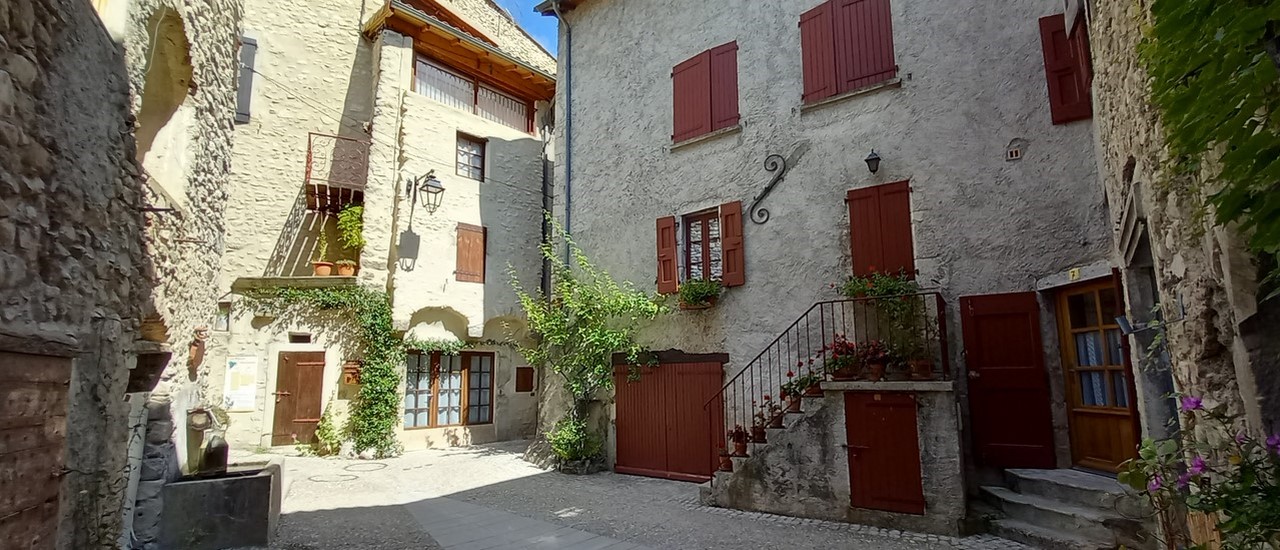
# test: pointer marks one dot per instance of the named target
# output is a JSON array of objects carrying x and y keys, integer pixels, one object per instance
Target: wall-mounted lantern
[
  {"x": 427, "y": 190},
  {"x": 873, "y": 162}
]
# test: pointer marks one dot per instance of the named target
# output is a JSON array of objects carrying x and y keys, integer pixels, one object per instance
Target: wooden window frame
[
  {"x": 1104, "y": 322},
  {"x": 464, "y": 407},
  {"x": 477, "y": 81},
  {"x": 704, "y": 219},
  {"x": 484, "y": 154}
]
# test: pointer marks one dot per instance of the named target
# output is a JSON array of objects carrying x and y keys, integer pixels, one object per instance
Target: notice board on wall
[{"x": 240, "y": 390}]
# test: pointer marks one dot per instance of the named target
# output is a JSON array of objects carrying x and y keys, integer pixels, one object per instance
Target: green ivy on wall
[{"x": 1213, "y": 67}]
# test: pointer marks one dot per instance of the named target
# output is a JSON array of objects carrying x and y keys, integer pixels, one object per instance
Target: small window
[
  {"x": 299, "y": 338},
  {"x": 846, "y": 45},
  {"x": 479, "y": 388},
  {"x": 418, "y": 407},
  {"x": 703, "y": 256},
  {"x": 524, "y": 379},
  {"x": 705, "y": 93},
  {"x": 471, "y": 157},
  {"x": 222, "y": 321},
  {"x": 704, "y": 245}
]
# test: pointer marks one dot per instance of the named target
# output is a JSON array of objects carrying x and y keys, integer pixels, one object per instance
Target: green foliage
[
  {"x": 1215, "y": 84},
  {"x": 879, "y": 285},
  {"x": 571, "y": 440},
  {"x": 1223, "y": 471},
  {"x": 322, "y": 243},
  {"x": 351, "y": 227},
  {"x": 328, "y": 439},
  {"x": 376, "y": 409},
  {"x": 699, "y": 292},
  {"x": 899, "y": 307},
  {"x": 447, "y": 347}
]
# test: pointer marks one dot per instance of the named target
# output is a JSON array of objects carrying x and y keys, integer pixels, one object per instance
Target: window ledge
[
  {"x": 706, "y": 137},
  {"x": 865, "y": 90}
]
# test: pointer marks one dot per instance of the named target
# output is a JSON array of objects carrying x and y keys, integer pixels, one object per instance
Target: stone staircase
[{"x": 1069, "y": 510}]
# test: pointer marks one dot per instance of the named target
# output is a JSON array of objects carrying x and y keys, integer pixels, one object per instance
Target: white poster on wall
[{"x": 241, "y": 387}]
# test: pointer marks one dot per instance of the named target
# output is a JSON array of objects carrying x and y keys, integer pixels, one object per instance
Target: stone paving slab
[{"x": 458, "y": 525}]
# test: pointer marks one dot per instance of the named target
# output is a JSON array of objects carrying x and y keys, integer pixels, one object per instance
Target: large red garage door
[{"x": 662, "y": 428}]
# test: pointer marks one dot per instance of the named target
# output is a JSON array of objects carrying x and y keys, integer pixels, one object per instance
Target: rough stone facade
[
  {"x": 1183, "y": 262},
  {"x": 318, "y": 69}
]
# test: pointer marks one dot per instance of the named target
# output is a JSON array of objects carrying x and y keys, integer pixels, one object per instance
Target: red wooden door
[
  {"x": 884, "y": 452},
  {"x": 1008, "y": 386},
  {"x": 33, "y": 421},
  {"x": 662, "y": 428},
  {"x": 299, "y": 397}
]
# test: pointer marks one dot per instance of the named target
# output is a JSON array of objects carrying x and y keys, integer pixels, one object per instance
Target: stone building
[
  {"x": 380, "y": 109},
  {"x": 116, "y": 144},
  {"x": 783, "y": 147}
]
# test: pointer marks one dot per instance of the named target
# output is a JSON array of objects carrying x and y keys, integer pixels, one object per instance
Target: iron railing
[{"x": 911, "y": 326}]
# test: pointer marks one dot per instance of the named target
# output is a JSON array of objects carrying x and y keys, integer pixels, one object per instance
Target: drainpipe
[{"x": 568, "y": 126}]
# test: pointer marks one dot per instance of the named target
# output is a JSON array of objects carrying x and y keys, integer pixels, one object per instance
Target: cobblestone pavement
[{"x": 488, "y": 497}]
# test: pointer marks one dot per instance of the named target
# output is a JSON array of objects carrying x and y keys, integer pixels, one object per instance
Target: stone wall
[
  {"x": 498, "y": 23},
  {"x": 1187, "y": 263}
]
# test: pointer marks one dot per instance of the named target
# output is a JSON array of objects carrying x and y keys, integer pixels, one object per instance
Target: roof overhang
[
  {"x": 442, "y": 40},
  {"x": 547, "y": 7}
]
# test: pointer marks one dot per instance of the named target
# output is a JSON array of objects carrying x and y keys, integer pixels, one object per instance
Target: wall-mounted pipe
[{"x": 568, "y": 125}]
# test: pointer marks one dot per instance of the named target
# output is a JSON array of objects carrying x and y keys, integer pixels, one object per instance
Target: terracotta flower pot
[
  {"x": 710, "y": 303},
  {"x": 726, "y": 463},
  {"x": 758, "y": 435},
  {"x": 814, "y": 390},
  {"x": 921, "y": 369},
  {"x": 875, "y": 372},
  {"x": 346, "y": 270},
  {"x": 847, "y": 372},
  {"x": 776, "y": 421},
  {"x": 739, "y": 448},
  {"x": 793, "y": 404},
  {"x": 321, "y": 269}
]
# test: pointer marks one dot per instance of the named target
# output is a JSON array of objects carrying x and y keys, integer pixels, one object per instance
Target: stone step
[
  {"x": 1085, "y": 489},
  {"x": 1045, "y": 539},
  {"x": 705, "y": 494},
  {"x": 1052, "y": 514}
]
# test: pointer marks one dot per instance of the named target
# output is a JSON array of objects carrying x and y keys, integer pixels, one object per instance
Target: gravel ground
[{"x": 342, "y": 504}]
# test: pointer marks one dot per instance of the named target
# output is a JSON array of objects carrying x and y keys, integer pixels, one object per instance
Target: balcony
[{"x": 337, "y": 170}]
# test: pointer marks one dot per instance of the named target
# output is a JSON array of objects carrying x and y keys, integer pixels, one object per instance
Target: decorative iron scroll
[{"x": 778, "y": 165}]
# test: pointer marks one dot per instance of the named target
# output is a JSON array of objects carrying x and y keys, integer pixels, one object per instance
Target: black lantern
[
  {"x": 873, "y": 162},
  {"x": 426, "y": 189}
]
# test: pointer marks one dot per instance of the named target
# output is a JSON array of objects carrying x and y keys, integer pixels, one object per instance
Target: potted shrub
[
  {"x": 790, "y": 393},
  {"x": 842, "y": 361},
  {"x": 758, "y": 434},
  {"x": 738, "y": 436},
  {"x": 346, "y": 268},
  {"x": 726, "y": 460},
  {"x": 319, "y": 266},
  {"x": 773, "y": 411},
  {"x": 875, "y": 357},
  {"x": 812, "y": 384},
  {"x": 699, "y": 293},
  {"x": 351, "y": 234}
]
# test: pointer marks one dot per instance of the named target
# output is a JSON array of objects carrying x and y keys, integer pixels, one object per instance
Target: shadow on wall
[{"x": 164, "y": 118}]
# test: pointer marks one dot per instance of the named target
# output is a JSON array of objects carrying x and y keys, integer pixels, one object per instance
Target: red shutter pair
[
  {"x": 705, "y": 93},
  {"x": 1067, "y": 69},
  {"x": 846, "y": 45},
  {"x": 734, "y": 271},
  {"x": 880, "y": 229}
]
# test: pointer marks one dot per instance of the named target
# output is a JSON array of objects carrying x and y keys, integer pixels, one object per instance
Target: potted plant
[
  {"x": 699, "y": 293},
  {"x": 811, "y": 384},
  {"x": 875, "y": 357},
  {"x": 726, "y": 460},
  {"x": 351, "y": 234},
  {"x": 346, "y": 268},
  {"x": 790, "y": 393},
  {"x": 842, "y": 363},
  {"x": 319, "y": 266},
  {"x": 758, "y": 434},
  {"x": 773, "y": 411},
  {"x": 738, "y": 436}
]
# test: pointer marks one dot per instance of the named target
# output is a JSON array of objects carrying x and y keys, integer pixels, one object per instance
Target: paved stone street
[{"x": 489, "y": 498}]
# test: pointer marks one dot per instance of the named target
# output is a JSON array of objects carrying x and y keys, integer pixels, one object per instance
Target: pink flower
[
  {"x": 1240, "y": 437},
  {"x": 1273, "y": 443},
  {"x": 1155, "y": 485},
  {"x": 1184, "y": 481},
  {"x": 1197, "y": 467},
  {"x": 1191, "y": 403}
]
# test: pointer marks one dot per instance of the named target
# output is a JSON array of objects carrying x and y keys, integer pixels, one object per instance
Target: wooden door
[
  {"x": 884, "y": 452},
  {"x": 1101, "y": 405},
  {"x": 299, "y": 397},
  {"x": 1008, "y": 386},
  {"x": 663, "y": 430},
  {"x": 33, "y": 421}
]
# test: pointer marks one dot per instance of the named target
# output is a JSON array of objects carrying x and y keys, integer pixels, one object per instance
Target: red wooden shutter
[
  {"x": 524, "y": 379},
  {"x": 733, "y": 254},
  {"x": 817, "y": 52},
  {"x": 691, "y": 98},
  {"x": 724, "y": 86},
  {"x": 1084, "y": 57},
  {"x": 668, "y": 281},
  {"x": 863, "y": 43},
  {"x": 884, "y": 452},
  {"x": 1064, "y": 69},
  {"x": 864, "y": 230},
  {"x": 471, "y": 241},
  {"x": 898, "y": 251}
]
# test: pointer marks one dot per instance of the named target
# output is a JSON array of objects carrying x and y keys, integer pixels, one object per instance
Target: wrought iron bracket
[{"x": 778, "y": 165}]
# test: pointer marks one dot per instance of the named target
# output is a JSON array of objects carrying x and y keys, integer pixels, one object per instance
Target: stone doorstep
[
  {"x": 1051, "y": 514},
  {"x": 1046, "y": 539},
  {"x": 1078, "y": 488}
]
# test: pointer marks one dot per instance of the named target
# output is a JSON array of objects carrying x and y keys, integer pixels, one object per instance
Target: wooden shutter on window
[
  {"x": 817, "y": 52},
  {"x": 668, "y": 280},
  {"x": 863, "y": 43},
  {"x": 724, "y": 86},
  {"x": 524, "y": 379},
  {"x": 1065, "y": 69},
  {"x": 691, "y": 97},
  {"x": 898, "y": 251},
  {"x": 244, "y": 87},
  {"x": 471, "y": 244},
  {"x": 864, "y": 230},
  {"x": 733, "y": 255}
]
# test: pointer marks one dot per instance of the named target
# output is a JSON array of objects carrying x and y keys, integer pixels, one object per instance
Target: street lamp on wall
[
  {"x": 873, "y": 162},
  {"x": 427, "y": 190}
]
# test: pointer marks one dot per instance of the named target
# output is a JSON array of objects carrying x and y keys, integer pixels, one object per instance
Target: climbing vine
[
  {"x": 1213, "y": 67},
  {"x": 587, "y": 318},
  {"x": 376, "y": 410}
]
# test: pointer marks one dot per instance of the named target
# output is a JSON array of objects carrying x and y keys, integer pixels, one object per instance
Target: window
[
  {"x": 299, "y": 338},
  {"x": 709, "y": 247},
  {"x": 439, "y": 387},
  {"x": 222, "y": 321},
  {"x": 470, "y": 157},
  {"x": 465, "y": 93},
  {"x": 705, "y": 93},
  {"x": 880, "y": 229},
  {"x": 846, "y": 45},
  {"x": 1067, "y": 69},
  {"x": 524, "y": 379},
  {"x": 471, "y": 245}
]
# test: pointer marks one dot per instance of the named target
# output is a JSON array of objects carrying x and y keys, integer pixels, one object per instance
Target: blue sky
[{"x": 542, "y": 28}]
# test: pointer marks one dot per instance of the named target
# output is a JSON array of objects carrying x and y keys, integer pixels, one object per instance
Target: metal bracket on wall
[{"x": 778, "y": 165}]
